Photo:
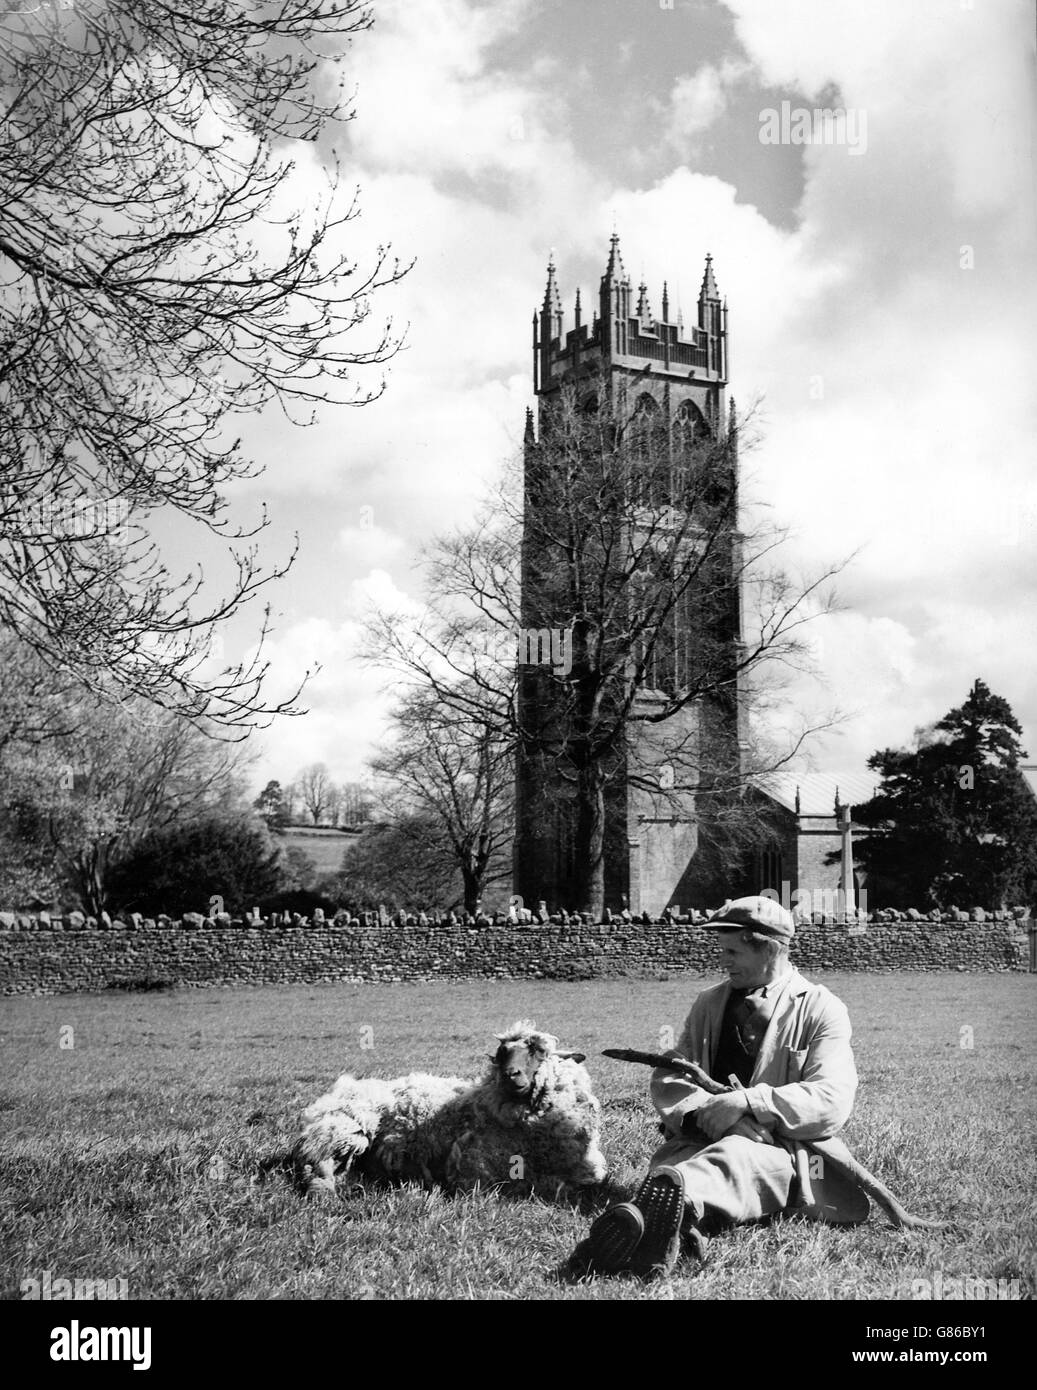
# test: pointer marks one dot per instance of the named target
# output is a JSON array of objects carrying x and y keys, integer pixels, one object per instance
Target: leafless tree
[
  {"x": 315, "y": 790},
  {"x": 333, "y": 805},
  {"x": 458, "y": 773},
  {"x": 356, "y": 804},
  {"x": 158, "y": 278},
  {"x": 628, "y": 532}
]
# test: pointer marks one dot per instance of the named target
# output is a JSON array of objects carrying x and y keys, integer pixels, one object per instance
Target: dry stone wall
[{"x": 42, "y": 960}]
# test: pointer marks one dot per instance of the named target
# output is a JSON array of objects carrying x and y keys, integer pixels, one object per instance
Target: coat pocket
[{"x": 796, "y": 1059}]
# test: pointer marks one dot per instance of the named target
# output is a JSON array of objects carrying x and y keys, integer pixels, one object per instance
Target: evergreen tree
[
  {"x": 959, "y": 822},
  {"x": 270, "y": 803}
]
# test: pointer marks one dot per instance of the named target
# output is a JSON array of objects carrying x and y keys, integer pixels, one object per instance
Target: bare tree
[
  {"x": 157, "y": 279},
  {"x": 356, "y": 804},
  {"x": 632, "y": 558},
  {"x": 292, "y": 804},
  {"x": 315, "y": 790},
  {"x": 334, "y": 803},
  {"x": 458, "y": 773}
]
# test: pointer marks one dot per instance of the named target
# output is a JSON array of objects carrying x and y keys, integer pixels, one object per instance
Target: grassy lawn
[{"x": 132, "y": 1153}]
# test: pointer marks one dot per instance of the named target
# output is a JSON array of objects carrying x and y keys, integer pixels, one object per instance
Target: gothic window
[
  {"x": 682, "y": 620},
  {"x": 661, "y": 625},
  {"x": 769, "y": 869},
  {"x": 647, "y": 438},
  {"x": 690, "y": 423},
  {"x": 690, "y": 432}
]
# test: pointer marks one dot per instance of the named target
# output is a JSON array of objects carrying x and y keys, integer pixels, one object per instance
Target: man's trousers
[{"x": 730, "y": 1180}]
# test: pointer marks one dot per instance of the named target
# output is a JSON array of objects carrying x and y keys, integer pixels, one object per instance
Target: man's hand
[
  {"x": 719, "y": 1113},
  {"x": 749, "y": 1128}
]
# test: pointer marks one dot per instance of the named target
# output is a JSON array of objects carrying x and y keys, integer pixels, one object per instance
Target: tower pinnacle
[
  {"x": 552, "y": 299},
  {"x": 614, "y": 270},
  {"x": 709, "y": 285},
  {"x": 644, "y": 310}
]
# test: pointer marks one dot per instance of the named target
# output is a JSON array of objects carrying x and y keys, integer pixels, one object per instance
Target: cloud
[
  {"x": 346, "y": 701},
  {"x": 430, "y": 101},
  {"x": 368, "y": 543},
  {"x": 698, "y": 99}
]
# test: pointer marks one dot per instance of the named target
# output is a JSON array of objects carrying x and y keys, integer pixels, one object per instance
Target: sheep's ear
[{"x": 574, "y": 1056}]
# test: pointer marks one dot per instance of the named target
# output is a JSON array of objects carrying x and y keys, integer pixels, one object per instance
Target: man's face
[{"x": 746, "y": 967}]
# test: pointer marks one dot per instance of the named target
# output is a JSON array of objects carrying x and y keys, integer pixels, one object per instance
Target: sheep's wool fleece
[{"x": 459, "y": 1133}]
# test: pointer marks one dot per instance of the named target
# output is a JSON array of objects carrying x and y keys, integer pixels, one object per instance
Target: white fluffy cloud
[
  {"x": 346, "y": 699},
  {"x": 699, "y": 98}
]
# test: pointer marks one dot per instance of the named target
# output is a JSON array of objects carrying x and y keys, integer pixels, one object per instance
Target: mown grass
[{"x": 134, "y": 1153}]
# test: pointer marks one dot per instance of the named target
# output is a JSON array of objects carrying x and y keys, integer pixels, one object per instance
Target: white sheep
[{"x": 531, "y": 1123}]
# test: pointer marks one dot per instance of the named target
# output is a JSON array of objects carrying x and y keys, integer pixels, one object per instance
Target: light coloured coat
[{"x": 803, "y": 1082}]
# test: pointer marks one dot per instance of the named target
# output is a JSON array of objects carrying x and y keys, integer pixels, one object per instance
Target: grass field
[{"x": 132, "y": 1142}]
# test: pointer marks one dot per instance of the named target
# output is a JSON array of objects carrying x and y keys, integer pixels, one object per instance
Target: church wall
[{"x": 817, "y": 840}]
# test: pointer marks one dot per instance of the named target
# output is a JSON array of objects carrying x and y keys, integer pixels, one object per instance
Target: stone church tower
[{"x": 676, "y": 377}]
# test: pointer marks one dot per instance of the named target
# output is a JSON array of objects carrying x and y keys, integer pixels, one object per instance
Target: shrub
[{"x": 180, "y": 868}]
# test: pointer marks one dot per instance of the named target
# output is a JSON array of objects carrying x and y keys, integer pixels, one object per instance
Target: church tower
[{"x": 675, "y": 379}]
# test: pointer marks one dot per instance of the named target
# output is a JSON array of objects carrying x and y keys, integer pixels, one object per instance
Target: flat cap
[{"x": 758, "y": 914}]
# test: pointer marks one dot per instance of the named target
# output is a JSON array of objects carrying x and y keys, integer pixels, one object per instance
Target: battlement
[{"x": 626, "y": 334}]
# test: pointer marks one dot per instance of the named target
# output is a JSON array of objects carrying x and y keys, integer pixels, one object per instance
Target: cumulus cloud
[
  {"x": 699, "y": 98},
  {"x": 347, "y": 699},
  {"x": 368, "y": 543}
]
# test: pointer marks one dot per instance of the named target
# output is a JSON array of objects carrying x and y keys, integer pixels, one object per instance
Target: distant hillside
[{"x": 324, "y": 844}]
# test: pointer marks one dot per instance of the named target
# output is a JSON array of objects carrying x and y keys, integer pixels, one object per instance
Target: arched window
[
  {"x": 690, "y": 426},
  {"x": 691, "y": 432},
  {"x": 647, "y": 448},
  {"x": 769, "y": 868}
]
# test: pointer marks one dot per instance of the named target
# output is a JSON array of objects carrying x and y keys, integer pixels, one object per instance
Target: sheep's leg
[{"x": 455, "y": 1173}]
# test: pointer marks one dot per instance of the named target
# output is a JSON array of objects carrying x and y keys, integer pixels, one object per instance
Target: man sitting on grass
[{"x": 785, "y": 1045}]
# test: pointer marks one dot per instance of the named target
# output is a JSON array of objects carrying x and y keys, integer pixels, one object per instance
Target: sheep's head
[{"x": 521, "y": 1053}]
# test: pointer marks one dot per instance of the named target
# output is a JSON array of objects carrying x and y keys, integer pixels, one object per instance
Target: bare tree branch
[{"x": 157, "y": 279}]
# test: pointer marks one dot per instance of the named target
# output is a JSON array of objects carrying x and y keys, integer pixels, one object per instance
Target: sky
[{"x": 882, "y": 310}]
